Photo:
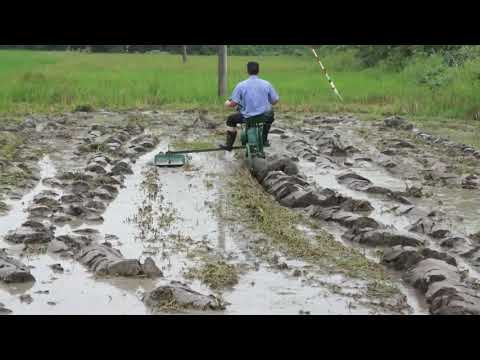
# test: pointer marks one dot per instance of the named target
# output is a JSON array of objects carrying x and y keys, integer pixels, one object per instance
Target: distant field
[{"x": 48, "y": 81}]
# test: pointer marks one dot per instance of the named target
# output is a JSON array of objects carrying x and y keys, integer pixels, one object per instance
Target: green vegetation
[
  {"x": 281, "y": 225},
  {"x": 425, "y": 85},
  {"x": 49, "y": 81},
  {"x": 217, "y": 275},
  {"x": 9, "y": 143}
]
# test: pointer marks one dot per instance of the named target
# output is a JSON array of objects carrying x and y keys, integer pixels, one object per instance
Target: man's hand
[{"x": 231, "y": 104}]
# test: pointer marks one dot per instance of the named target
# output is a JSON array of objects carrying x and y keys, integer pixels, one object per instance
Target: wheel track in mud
[
  {"x": 59, "y": 199},
  {"x": 422, "y": 249},
  {"x": 334, "y": 150},
  {"x": 73, "y": 199}
]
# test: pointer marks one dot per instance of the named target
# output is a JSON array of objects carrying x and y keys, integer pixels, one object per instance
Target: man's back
[{"x": 255, "y": 96}]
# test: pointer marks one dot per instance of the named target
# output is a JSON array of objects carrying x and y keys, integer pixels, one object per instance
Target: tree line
[
  {"x": 368, "y": 55},
  {"x": 178, "y": 49}
]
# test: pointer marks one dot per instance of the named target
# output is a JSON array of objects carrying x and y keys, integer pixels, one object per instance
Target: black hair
[{"x": 253, "y": 68}]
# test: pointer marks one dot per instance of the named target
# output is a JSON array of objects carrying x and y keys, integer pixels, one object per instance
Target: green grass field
[{"x": 49, "y": 82}]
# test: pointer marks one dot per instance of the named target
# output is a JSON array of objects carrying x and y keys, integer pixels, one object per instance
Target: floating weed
[
  {"x": 9, "y": 145},
  {"x": 280, "y": 224},
  {"x": 153, "y": 218},
  {"x": 217, "y": 274}
]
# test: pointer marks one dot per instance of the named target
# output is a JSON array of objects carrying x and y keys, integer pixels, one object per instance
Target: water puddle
[
  {"x": 268, "y": 292},
  {"x": 75, "y": 291},
  {"x": 192, "y": 198},
  {"x": 18, "y": 214}
]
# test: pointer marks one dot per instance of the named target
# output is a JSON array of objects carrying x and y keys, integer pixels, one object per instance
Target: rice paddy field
[{"x": 46, "y": 82}]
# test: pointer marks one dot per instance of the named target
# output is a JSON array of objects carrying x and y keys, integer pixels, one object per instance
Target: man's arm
[
  {"x": 236, "y": 98},
  {"x": 273, "y": 96}
]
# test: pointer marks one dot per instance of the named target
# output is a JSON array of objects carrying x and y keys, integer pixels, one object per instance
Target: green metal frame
[
  {"x": 252, "y": 138},
  {"x": 252, "y": 142},
  {"x": 170, "y": 160}
]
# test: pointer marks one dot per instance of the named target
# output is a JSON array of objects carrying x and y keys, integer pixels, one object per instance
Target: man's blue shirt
[{"x": 255, "y": 96}]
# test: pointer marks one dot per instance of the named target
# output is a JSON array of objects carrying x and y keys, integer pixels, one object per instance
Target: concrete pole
[
  {"x": 222, "y": 70},
  {"x": 184, "y": 54}
]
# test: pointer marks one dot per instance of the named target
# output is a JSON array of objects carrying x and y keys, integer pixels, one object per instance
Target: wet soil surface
[{"x": 93, "y": 228}]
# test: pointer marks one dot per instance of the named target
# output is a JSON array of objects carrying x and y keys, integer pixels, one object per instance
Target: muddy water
[
  {"x": 75, "y": 292},
  {"x": 18, "y": 215},
  {"x": 381, "y": 213},
  {"x": 464, "y": 204},
  {"x": 460, "y": 205},
  {"x": 193, "y": 195},
  {"x": 190, "y": 201}
]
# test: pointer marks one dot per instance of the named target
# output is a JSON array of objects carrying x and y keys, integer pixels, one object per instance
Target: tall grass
[{"x": 48, "y": 81}]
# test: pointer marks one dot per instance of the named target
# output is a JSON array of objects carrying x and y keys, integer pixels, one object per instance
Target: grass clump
[
  {"x": 9, "y": 145},
  {"x": 281, "y": 225},
  {"x": 141, "y": 121},
  {"x": 217, "y": 275},
  {"x": 84, "y": 108}
]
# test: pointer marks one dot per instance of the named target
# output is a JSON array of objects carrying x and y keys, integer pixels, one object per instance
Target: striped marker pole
[{"x": 330, "y": 81}]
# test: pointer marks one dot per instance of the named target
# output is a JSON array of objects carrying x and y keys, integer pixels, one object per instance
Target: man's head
[{"x": 253, "y": 68}]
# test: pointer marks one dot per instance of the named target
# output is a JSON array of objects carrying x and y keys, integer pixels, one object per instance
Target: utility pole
[
  {"x": 222, "y": 70},
  {"x": 184, "y": 54}
]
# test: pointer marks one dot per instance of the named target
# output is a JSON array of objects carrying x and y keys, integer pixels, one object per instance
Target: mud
[
  {"x": 13, "y": 271},
  {"x": 400, "y": 180},
  {"x": 90, "y": 227},
  {"x": 178, "y": 296}
]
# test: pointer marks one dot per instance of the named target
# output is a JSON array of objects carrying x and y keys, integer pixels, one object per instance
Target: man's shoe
[
  {"x": 266, "y": 130},
  {"x": 231, "y": 137}
]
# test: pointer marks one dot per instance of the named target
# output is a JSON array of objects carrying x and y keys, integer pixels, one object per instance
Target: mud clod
[
  {"x": 27, "y": 299},
  {"x": 151, "y": 270},
  {"x": 432, "y": 227},
  {"x": 57, "y": 246},
  {"x": 444, "y": 287},
  {"x": 31, "y": 233},
  {"x": 4, "y": 310},
  {"x": 13, "y": 271},
  {"x": 177, "y": 296},
  {"x": 107, "y": 261},
  {"x": 57, "y": 268},
  {"x": 404, "y": 258},
  {"x": 398, "y": 122},
  {"x": 471, "y": 182},
  {"x": 383, "y": 238},
  {"x": 122, "y": 168},
  {"x": 297, "y": 273},
  {"x": 79, "y": 187}
]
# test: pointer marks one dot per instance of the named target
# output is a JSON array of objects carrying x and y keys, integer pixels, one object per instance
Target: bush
[
  {"x": 346, "y": 60},
  {"x": 430, "y": 71},
  {"x": 462, "y": 55}
]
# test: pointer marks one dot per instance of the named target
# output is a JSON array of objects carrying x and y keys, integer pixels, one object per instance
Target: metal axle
[{"x": 183, "y": 152}]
